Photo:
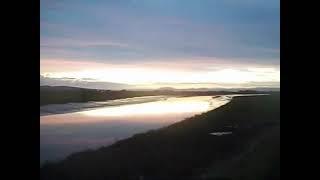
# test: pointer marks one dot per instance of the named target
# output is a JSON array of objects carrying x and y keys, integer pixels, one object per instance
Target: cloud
[
  {"x": 82, "y": 83},
  {"x": 46, "y": 42},
  {"x": 109, "y": 31},
  {"x": 93, "y": 84},
  {"x": 82, "y": 41},
  {"x": 187, "y": 74}
]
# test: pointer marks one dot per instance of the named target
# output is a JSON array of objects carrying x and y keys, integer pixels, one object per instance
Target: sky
[{"x": 117, "y": 44}]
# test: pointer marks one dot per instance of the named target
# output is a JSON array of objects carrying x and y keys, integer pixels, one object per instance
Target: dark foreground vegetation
[
  {"x": 186, "y": 150},
  {"x": 64, "y": 94}
]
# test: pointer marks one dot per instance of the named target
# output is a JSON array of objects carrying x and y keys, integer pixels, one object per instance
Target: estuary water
[{"x": 63, "y": 132}]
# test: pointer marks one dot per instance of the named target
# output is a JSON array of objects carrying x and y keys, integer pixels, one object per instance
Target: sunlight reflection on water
[
  {"x": 140, "y": 112},
  {"x": 62, "y": 134}
]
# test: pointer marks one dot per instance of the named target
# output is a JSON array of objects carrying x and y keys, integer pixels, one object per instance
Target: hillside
[{"x": 187, "y": 150}]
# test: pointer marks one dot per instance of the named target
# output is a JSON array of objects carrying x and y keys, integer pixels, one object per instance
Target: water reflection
[
  {"x": 171, "y": 105},
  {"x": 140, "y": 112},
  {"x": 62, "y": 134}
]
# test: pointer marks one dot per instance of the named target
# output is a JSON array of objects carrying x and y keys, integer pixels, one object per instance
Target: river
[{"x": 64, "y": 133}]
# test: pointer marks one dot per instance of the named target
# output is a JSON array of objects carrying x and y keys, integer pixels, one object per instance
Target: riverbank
[
  {"x": 62, "y": 94},
  {"x": 51, "y": 109},
  {"x": 189, "y": 150},
  {"x": 67, "y": 133}
]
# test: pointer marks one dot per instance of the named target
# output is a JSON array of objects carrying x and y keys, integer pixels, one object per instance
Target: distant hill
[
  {"x": 221, "y": 89},
  {"x": 166, "y": 89},
  {"x": 59, "y": 88},
  {"x": 266, "y": 89},
  {"x": 66, "y": 94}
]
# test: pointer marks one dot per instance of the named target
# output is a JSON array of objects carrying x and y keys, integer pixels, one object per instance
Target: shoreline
[
  {"x": 53, "y": 109},
  {"x": 190, "y": 145},
  {"x": 213, "y": 106}
]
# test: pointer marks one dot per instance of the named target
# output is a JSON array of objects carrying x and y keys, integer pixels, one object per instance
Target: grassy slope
[{"x": 186, "y": 149}]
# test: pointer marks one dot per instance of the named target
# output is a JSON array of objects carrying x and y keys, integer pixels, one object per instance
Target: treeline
[{"x": 186, "y": 150}]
